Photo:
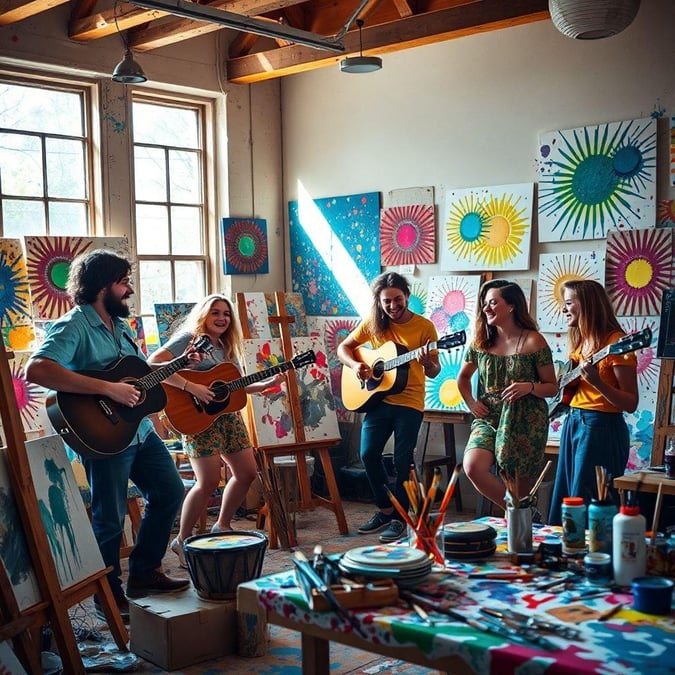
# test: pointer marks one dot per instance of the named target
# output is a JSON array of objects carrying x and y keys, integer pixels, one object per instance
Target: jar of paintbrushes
[{"x": 601, "y": 512}]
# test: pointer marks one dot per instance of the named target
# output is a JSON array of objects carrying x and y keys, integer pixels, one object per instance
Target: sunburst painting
[
  {"x": 665, "y": 213},
  {"x": 442, "y": 392},
  {"x": 245, "y": 248},
  {"x": 487, "y": 228},
  {"x": 639, "y": 268},
  {"x": 451, "y": 302},
  {"x": 554, "y": 269},
  {"x": 596, "y": 178},
  {"x": 408, "y": 235},
  {"x": 417, "y": 302},
  {"x": 30, "y": 397},
  {"x": 14, "y": 294},
  {"x": 641, "y": 422},
  {"x": 48, "y": 260}
]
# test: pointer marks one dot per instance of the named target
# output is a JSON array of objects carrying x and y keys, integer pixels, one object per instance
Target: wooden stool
[{"x": 448, "y": 419}]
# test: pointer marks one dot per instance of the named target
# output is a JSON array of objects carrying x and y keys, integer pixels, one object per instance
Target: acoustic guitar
[
  {"x": 96, "y": 426},
  {"x": 188, "y": 415},
  {"x": 389, "y": 365},
  {"x": 569, "y": 380}
]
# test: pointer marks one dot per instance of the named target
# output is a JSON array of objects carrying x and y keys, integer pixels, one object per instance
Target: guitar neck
[
  {"x": 575, "y": 372},
  {"x": 405, "y": 358},
  {"x": 156, "y": 376},
  {"x": 258, "y": 376}
]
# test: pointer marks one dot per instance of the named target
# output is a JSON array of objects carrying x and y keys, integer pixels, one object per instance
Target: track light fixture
[{"x": 360, "y": 63}]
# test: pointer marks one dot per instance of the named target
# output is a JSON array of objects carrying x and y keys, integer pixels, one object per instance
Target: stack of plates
[
  {"x": 406, "y": 566},
  {"x": 468, "y": 541}
]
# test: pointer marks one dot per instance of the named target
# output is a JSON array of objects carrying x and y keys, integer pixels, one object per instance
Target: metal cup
[{"x": 519, "y": 529}]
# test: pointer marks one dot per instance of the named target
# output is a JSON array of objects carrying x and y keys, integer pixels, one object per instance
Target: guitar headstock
[
  {"x": 203, "y": 345},
  {"x": 452, "y": 340},
  {"x": 304, "y": 359},
  {"x": 630, "y": 343}
]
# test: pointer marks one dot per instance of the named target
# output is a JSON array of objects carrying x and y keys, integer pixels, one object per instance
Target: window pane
[
  {"x": 38, "y": 109},
  {"x": 65, "y": 168},
  {"x": 152, "y": 230},
  {"x": 23, "y": 218},
  {"x": 67, "y": 219},
  {"x": 150, "y": 174},
  {"x": 21, "y": 165},
  {"x": 163, "y": 125},
  {"x": 184, "y": 177},
  {"x": 189, "y": 280},
  {"x": 155, "y": 283},
  {"x": 186, "y": 231}
]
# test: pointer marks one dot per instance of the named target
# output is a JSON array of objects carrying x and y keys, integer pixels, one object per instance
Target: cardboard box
[{"x": 178, "y": 630}]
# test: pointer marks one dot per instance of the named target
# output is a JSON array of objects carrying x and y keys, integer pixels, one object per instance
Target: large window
[
  {"x": 170, "y": 201},
  {"x": 44, "y": 160}
]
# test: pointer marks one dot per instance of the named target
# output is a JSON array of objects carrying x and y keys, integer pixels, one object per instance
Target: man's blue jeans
[
  {"x": 151, "y": 468},
  {"x": 378, "y": 425}
]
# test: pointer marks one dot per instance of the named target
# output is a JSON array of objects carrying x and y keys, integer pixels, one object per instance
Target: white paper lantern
[{"x": 592, "y": 19}]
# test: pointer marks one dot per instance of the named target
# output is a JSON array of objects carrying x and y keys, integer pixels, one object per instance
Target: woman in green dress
[{"x": 515, "y": 375}]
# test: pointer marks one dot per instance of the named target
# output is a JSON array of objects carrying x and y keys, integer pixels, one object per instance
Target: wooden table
[
  {"x": 648, "y": 481},
  {"x": 456, "y": 647}
]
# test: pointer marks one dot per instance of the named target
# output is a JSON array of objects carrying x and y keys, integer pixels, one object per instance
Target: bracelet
[
  {"x": 185, "y": 384},
  {"x": 532, "y": 390}
]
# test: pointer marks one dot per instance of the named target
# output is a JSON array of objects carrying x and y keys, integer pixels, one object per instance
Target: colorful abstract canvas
[
  {"x": 417, "y": 302},
  {"x": 294, "y": 306},
  {"x": 64, "y": 517},
  {"x": 596, "y": 178},
  {"x": 245, "y": 249},
  {"x": 641, "y": 422},
  {"x": 48, "y": 261},
  {"x": 665, "y": 213},
  {"x": 30, "y": 397},
  {"x": 257, "y": 318},
  {"x": 639, "y": 267},
  {"x": 335, "y": 252},
  {"x": 138, "y": 333},
  {"x": 15, "y": 312},
  {"x": 442, "y": 392},
  {"x": 487, "y": 228},
  {"x": 169, "y": 316},
  {"x": 451, "y": 302},
  {"x": 408, "y": 235},
  {"x": 554, "y": 269}
]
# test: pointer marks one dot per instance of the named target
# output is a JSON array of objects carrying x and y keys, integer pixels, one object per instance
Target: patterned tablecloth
[{"x": 628, "y": 642}]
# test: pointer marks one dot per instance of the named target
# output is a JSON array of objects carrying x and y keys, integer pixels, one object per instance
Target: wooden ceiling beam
[
  {"x": 407, "y": 33},
  {"x": 12, "y": 11}
]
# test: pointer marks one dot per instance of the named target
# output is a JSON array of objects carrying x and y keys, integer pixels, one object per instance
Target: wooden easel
[
  {"x": 301, "y": 446},
  {"x": 55, "y": 601}
]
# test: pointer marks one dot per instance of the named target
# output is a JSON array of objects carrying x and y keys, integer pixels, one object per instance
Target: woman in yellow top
[
  {"x": 594, "y": 432},
  {"x": 400, "y": 414}
]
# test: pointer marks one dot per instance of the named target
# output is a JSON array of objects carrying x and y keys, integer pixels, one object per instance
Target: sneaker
[
  {"x": 394, "y": 531},
  {"x": 177, "y": 548},
  {"x": 122, "y": 607},
  {"x": 215, "y": 528},
  {"x": 156, "y": 582},
  {"x": 378, "y": 522}
]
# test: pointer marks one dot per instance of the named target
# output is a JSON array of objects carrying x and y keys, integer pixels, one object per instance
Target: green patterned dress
[{"x": 516, "y": 432}]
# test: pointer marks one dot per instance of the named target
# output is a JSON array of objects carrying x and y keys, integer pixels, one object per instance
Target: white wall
[{"x": 468, "y": 112}]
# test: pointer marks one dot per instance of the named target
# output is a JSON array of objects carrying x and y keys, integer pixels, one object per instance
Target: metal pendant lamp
[
  {"x": 127, "y": 71},
  {"x": 592, "y": 19},
  {"x": 360, "y": 63}
]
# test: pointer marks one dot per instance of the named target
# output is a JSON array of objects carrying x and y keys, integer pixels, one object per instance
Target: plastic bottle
[
  {"x": 669, "y": 458},
  {"x": 573, "y": 525},
  {"x": 629, "y": 558},
  {"x": 600, "y": 523}
]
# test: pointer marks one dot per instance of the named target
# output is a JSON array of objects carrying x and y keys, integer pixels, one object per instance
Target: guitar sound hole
[
  {"x": 220, "y": 391},
  {"x": 377, "y": 371}
]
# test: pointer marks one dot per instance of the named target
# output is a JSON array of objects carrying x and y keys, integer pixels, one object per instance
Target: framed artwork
[
  {"x": 639, "y": 267},
  {"x": 168, "y": 316},
  {"x": 48, "y": 260},
  {"x": 487, "y": 228},
  {"x": 64, "y": 517},
  {"x": 666, "y": 341},
  {"x": 595, "y": 178},
  {"x": 554, "y": 269},
  {"x": 257, "y": 316},
  {"x": 335, "y": 252},
  {"x": 245, "y": 249},
  {"x": 408, "y": 235},
  {"x": 15, "y": 312},
  {"x": 14, "y": 554}
]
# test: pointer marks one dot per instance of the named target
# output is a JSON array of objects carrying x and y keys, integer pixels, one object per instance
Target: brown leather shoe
[
  {"x": 156, "y": 582},
  {"x": 122, "y": 606}
]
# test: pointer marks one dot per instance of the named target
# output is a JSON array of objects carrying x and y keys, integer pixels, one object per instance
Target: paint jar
[
  {"x": 573, "y": 525},
  {"x": 519, "y": 529},
  {"x": 652, "y": 595},
  {"x": 600, "y": 517},
  {"x": 598, "y": 568}
]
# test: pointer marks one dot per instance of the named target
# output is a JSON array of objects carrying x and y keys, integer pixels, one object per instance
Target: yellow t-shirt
[
  {"x": 588, "y": 397},
  {"x": 411, "y": 335}
]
